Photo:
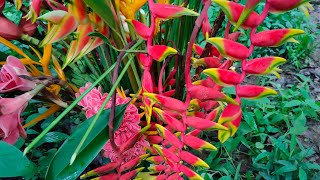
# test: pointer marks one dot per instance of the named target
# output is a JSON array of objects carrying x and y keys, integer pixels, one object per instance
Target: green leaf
[
  {"x": 13, "y": 163},
  {"x": 102, "y": 8},
  {"x": 286, "y": 168},
  {"x": 59, "y": 167},
  {"x": 52, "y": 137},
  {"x": 302, "y": 174},
  {"x": 292, "y": 103}
]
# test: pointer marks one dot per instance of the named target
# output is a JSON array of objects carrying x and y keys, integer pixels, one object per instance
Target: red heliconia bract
[
  {"x": 197, "y": 143},
  {"x": 160, "y": 52},
  {"x": 254, "y": 92},
  {"x": 168, "y": 11},
  {"x": 224, "y": 77},
  {"x": 28, "y": 27},
  {"x": 167, "y": 102},
  {"x": 264, "y": 65},
  {"x": 147, "y": 84},
  {"x": 2, "y": 5},
  {"x": 233, "y": 11},
  {"x": 204, "y": 93},
  {"x": 274, "y": 38},
  {"x": 166, "y": 134},
  {"x": 249, "y": 7},
  {"x": 284, "y": 5},
  {"x": 9, "y": 30},
  {"x": 79, "y": 11},
  {"x": 101, "y": 170},
  {"x": 189, "y": 173},
  {"x": 203, "y": 124},
  {"x": 141, "y": 29}
]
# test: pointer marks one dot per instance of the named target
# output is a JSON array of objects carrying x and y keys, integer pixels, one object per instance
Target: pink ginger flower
[
  {"x": 10, "y": 121},
  {"x": 92, "y": 102},
  {"x": 9, "y": 79}
]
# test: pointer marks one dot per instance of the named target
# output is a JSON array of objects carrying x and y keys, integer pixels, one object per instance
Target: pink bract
[{"x": 9, "y": 76}]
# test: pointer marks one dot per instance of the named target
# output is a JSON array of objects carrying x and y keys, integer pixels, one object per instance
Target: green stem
[
  {"x": 66, "y": 111},
  {"x": 96, "y": 117}
]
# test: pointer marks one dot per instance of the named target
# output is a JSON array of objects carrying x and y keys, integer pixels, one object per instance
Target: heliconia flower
[
  {"x": 93, "y": 43},
  {"x": 170, "y": 155},
  {"x": 209, "y": 62},
  {"x": 141, "y": 29},
  {"x": 170, "y": 92},
  {"x": 129, "y": 8},
  {"x": 101, "y": 170},
  {"x": 254, "y": 92},
  {"x": 229, "y": 48},
  {"x": 197, "y": 49},
  {"x": 54, "y": 17},
  {"x": 203, "y": 124},
  {"x": 168, "y": 102},
  {"x": 206, "y": 27},
  {"x": 79, "y": 10},
  {"x": 208, "y": 82},
  {"x": 278, "y": 6},
  {"x": 157, "y": 168},
  {"x": 192, "y": 159},
  {"x": 171, "y": 121},
  {"x": 234, "y": 36},
  {"x": 264, "y": 65},
  {"x": 160, "y": 52},
  {"x": 131, "y": 174},
  {"x": 18, "y": 4},
  {"x": 197, "y": 144},
  {"x": 223, "y": 77},
  {"x": 28, "y": 27},
  {"x": 147, "y": 81},
  {"x": 107, "y": 177},
  {"x": 166, "y": 134},
  {"x": 214, "y": 51},
  {"x": 233, "y": 11},
  {"x": 9, "y": 30},
  {"x": 144, "y": 60},
  {"x": 214, "y": 114},
  {"x": 204, "y": 93},
  {"x": 189, "y": 173},
  {"x": 132, "y": 163},
  {"x": 275, "y": 38},
  {"x": 34, "y": 10},
  {"x": 9, "y": 76},
  {"x": 81, "y": 41},
  {"x": 175, "y": 176},
  {"x": 168, "y": 11},
  {"x": 248, "y": 8},
  {"x": 59, "y": 31},
  {"x": 155, "y": 159}
]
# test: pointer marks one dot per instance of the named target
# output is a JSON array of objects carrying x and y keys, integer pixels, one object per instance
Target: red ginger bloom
[
  {"x": 92, "y": 102},
  {"x": 9, "y": 79}
]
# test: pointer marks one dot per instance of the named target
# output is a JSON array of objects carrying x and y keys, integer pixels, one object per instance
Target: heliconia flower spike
[
  {"x": 248, "y": 8},
  {"x": 131, "y": 141},
  {"x": 198, "y": 144},
  {"x": 167, "y": 102},
  {"x": 141, "y": 29},
  {"x": 275, "y": 38},
  {"x": 206, "y": 27},
  {"x": 107, "y": 177},
  {"x": 233, "y": 127},
  {"x": 160, "y": 52},
  {"x": 34, "y": 10},
  {"x": 78, "y": 10},
  {"x": 144, "y": 60},
  {"x": 223, "y": 77},
  {"x": 229, "y": 48},
  {"x": 170, "y": 155},
  {"x": 81, "y": 41},
  {"x": 101, "y": 170},
  {"x": 132, "y": 163},
  {"x": 53, "y": 17},
  {"x": 278, "y": 6},
  {"x": 59, "y": 31},
  {"x": 157, "y": 168},
  {"x": 166, "y": 134},
  {"x": 230, "y": 113},
  {"x": 192, "y": 159},
  {"x": 264, "y": 65},
  {"x": 254, "y": 92},
  {"x": 189, "y": 173},
  {"x": 155, "y": 159},
  {"x": 147, "y": 84},
  {"x": 175, "y": 176},
  {"x": 209, "y": 62},
  {"x": 208, "y": 82},
  {"x": 214, "y": 114},
  {"x": 171, "y": 121},
  {"x": 17, "y": 4},
  {"x": 233, "y": 11},
  {"x": 168, "y": 11},
  {"x": 130, "y": 174},
  {"x": 203, "y": 124},
  {"x": 197, "y": 49},
  {"x": 204, "y": 93}
]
